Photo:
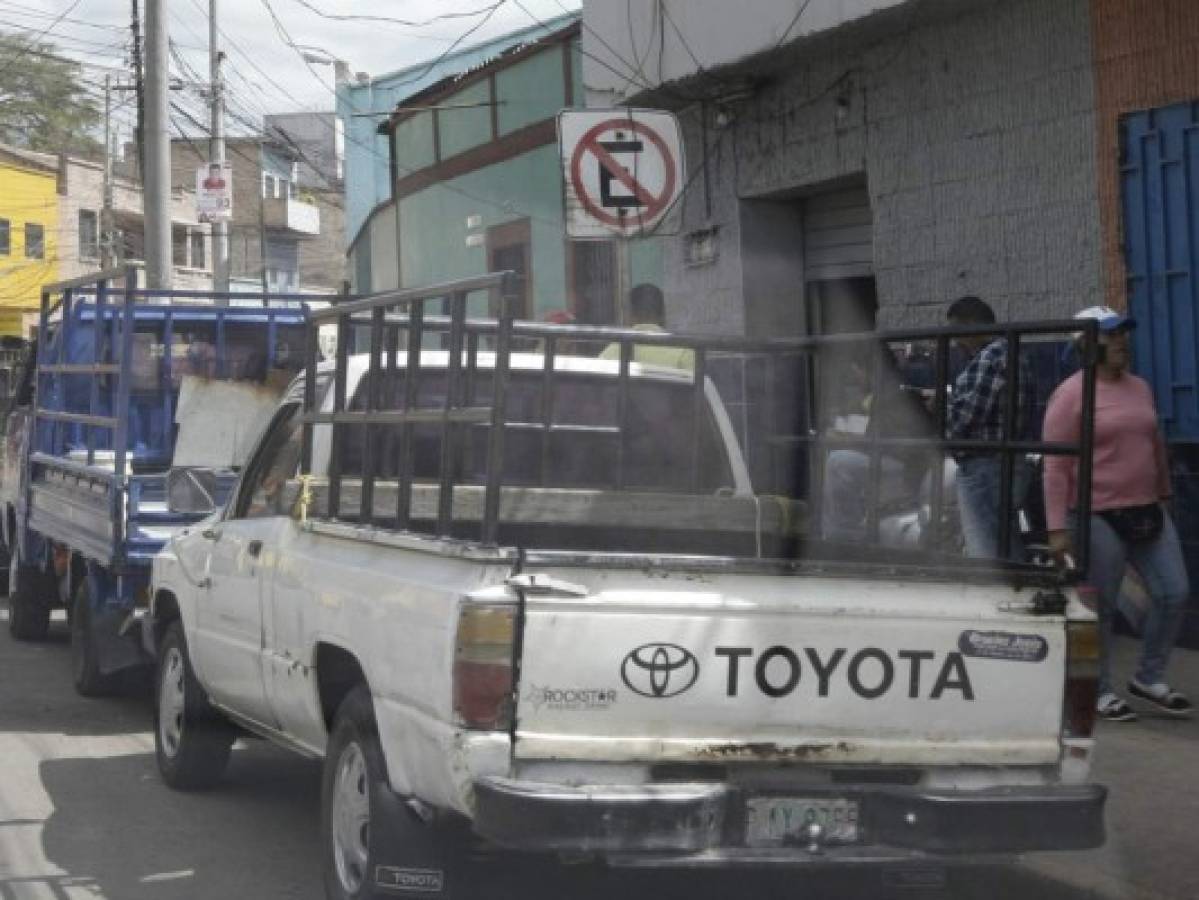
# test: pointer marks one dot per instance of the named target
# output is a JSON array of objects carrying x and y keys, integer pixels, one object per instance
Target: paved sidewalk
[{"x": 1151, "y": 768}]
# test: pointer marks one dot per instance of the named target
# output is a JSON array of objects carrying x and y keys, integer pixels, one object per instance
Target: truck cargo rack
[
  {"x": 82, "y": 408},
  {"x": 408, "y": 321}
]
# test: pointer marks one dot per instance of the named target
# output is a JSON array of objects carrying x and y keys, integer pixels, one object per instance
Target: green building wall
[
  {"x": 433, "y": 225},
  {"x": 435, "y": 241}
]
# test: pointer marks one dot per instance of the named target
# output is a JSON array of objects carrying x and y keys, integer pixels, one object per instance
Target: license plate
[{"x": 771, "y": 821}]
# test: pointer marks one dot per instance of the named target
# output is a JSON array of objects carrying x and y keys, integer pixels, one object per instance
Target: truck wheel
[
  {"x": 191, "y": 740},
  {"x": 85, "y": 662},
  {"x": 365, "y": 827},
  {"x": 28, "y": 602},
  {"x": 5, "y": 561}
]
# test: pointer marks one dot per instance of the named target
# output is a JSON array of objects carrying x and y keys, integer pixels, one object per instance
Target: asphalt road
[{"x": 84, "y": 815}]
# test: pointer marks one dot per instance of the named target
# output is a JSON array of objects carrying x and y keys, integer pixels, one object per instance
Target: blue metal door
[{"x": 1160, "y": 193}]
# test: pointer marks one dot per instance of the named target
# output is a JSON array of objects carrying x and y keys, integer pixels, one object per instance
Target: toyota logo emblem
[{"x": 659, "y": 670}]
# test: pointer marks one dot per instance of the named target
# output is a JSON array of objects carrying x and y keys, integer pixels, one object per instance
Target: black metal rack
[{"x": 403, "y": 323}]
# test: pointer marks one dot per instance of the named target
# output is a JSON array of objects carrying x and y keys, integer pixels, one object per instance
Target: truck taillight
[
  {"x": 483, "y": 666},
  {"x": 1082, "y": 679}
]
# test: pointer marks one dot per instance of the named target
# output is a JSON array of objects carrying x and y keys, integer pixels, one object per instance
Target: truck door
[{"x": 230, "y": 625}]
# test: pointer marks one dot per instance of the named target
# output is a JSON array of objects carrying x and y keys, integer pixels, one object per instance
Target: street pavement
[
  {"x": 1151, "y": 768},
  {"x": 84, "y": 815}
]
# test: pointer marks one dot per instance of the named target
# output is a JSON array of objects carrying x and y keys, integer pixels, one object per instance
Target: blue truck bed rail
[
  {"x": 92, "y": 434},
  {"x": 110, "y": 360}
]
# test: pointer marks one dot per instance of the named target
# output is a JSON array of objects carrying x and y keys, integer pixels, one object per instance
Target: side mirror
[{"x": 191, "y": 490}]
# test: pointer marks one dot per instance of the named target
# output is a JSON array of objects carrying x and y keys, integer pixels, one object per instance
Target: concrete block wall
[
  {"x": 706, "y": 298},
  {"x": 973, "y": 124}
]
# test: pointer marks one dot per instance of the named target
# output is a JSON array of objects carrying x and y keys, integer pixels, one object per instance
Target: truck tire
[
  {"x": 373, "y": 844},
  {"x": 191, "y": 740},
  {"x": 28, "y": 602},
  {"x": 85, "y": 663},
  {"x": 5, "y": 561}
]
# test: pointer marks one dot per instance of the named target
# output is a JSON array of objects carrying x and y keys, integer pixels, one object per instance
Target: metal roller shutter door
[{"x": 837, "y": 235}]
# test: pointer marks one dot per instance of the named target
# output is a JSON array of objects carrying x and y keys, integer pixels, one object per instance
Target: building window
[
  {"x": 89, "y": 234},
  {"x": 509, "y": 248},
  {"x": 178, "y": 246},
  {"x": 35, "y": 241},
  {"x": 593, "y": 281},
  {"x": 198, "y": 260},
  {"x": 268, "y": 185},
  {"x": 5, "y": 239}
]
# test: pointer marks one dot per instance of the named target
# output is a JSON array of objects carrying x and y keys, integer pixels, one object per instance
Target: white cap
[{"x": 1109, "y": 319}]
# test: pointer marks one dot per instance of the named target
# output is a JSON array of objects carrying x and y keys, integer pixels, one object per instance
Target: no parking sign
[{"x": 622, "y": 171}]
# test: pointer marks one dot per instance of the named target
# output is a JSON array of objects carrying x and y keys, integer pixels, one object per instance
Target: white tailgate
[{"x": 689, "y": 667}]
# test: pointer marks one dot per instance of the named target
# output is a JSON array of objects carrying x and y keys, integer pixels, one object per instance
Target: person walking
[
  {"x": 976, "y": 412},
  {"x": 1128, "y": 524}
]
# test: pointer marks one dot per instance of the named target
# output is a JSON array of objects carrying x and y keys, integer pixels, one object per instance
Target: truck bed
[
  {"x": 86, "y": 508},
  {"x": 585, "y": 519}
]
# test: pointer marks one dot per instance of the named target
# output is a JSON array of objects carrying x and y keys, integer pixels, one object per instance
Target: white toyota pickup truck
[{"x": 562, "y": 622}]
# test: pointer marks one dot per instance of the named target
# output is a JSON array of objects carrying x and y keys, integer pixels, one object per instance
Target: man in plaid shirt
[{"x": 977, "y": 411}]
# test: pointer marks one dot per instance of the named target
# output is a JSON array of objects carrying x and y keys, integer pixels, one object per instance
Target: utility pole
[
  {"x": 157, "y": 162},
  {"x": 106, "y": 234},
  {"x": 266, "y": 287},
  {"x": 138, "y": 81},
  {"x": 216, "y": 151}
]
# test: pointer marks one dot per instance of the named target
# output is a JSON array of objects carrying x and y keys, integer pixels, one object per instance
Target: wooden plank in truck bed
[{"x": 573, "y": 507}]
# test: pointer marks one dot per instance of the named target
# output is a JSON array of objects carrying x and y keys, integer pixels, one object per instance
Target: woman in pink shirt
[{"x": 1129, "y": 524}]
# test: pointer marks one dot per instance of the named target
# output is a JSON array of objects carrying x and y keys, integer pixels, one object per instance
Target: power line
[
  {"x": 644, "y": 83},
  {"x": 502, "y": 204},
  {"x": 58, "y": 56},
  {"x": 795, "y": 21},
  {"x": 699, "y": 66},
  {"x": 18, "y": 9},
  {"x": 45, "y": 31},
  {"x": 277, "y": 133},
  {"x": 451, "y": 48},
  {"x": 409, "y": 23},
  {"x": 61, "y": 40}
]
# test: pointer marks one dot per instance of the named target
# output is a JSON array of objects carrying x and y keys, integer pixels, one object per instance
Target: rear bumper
[{"x": 697, "y": 824}]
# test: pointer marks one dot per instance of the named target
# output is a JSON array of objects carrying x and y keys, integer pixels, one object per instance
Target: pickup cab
[{"x": 530, "y": 603}]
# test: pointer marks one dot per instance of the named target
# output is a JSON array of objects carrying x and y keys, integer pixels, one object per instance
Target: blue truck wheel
[
  {"x": 89, "y": 680},
  {"x": 29, "y": 602}
]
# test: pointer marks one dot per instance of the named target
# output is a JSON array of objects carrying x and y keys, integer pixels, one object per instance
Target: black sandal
[{"x": 1172, "y": 703}]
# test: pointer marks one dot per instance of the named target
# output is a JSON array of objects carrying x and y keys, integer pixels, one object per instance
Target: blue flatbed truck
[{"x": 91, "y": 438}]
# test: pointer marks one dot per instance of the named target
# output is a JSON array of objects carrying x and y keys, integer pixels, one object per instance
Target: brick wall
[{"x": 1146, "y": 55}]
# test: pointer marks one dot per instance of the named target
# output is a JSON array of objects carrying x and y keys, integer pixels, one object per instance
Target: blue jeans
[
  {"x": 1160, "y": 565},
  {"x": 978, "y": 505}
]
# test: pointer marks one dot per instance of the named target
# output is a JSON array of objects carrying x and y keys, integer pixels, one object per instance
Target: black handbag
[{"x": 1136, "y": 524}]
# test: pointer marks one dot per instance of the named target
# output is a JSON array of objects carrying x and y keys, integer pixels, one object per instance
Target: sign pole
[{"x": 624, "y": 283}]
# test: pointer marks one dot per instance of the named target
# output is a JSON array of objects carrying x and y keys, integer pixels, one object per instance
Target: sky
[{"x": 264, "y": 72}]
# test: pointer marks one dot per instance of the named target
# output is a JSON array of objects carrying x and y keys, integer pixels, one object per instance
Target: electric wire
[
  {"x": 41, "y": 34},
  {"x": 410, "y": 23},
  {"x": 24, "y": 10}
]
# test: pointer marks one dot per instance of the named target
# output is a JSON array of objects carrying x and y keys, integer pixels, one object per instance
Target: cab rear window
[{"x": 661, "y": 448}]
